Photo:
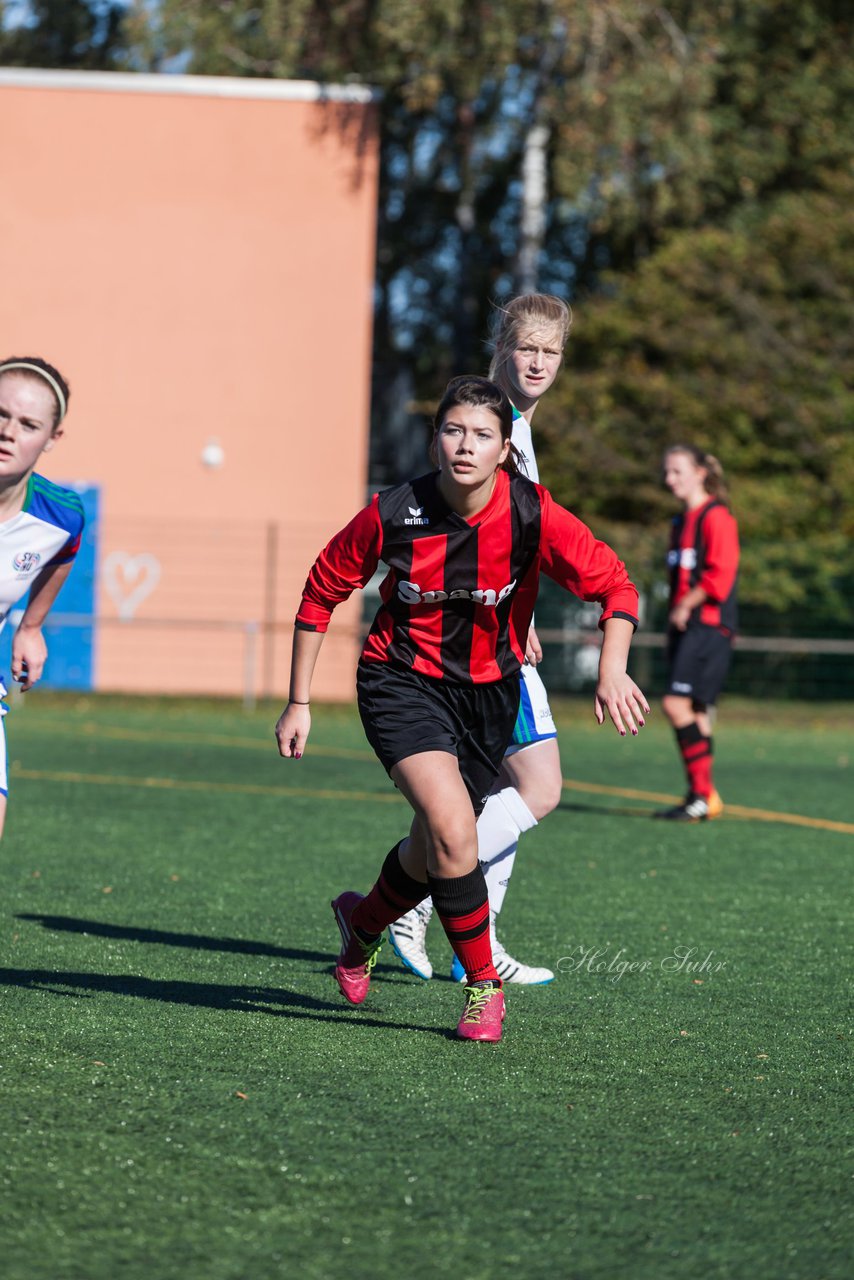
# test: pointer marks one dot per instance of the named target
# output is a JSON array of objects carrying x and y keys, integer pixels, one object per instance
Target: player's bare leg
[{"x": 528, "y": 788}]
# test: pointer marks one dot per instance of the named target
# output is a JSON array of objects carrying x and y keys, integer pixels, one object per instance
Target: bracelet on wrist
[{"x": 292, "y": 702}]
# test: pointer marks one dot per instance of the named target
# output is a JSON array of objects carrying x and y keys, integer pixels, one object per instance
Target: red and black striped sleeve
[
  {"x": 720, "y": 554},
  {"x": 348, "y": 561},
  {"x": 578, "y": 561}
]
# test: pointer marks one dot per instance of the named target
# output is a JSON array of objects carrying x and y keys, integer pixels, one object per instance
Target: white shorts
[
  {"x": 4, "y": 775},
  {"x": 534, "y": 723}
]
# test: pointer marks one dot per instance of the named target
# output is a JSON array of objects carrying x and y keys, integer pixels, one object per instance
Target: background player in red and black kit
[
  {"x": 703, "y": 563},
  {"x": 438, "y": 680}
]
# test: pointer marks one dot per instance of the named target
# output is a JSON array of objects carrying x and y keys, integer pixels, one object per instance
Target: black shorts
[
  {"x": 698, "y": 661},
  {"x": 404, "y": 713}
]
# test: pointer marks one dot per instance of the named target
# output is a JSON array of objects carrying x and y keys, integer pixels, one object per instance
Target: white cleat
[
  {"x": 508, "y": 969},
  {"x": 408, "y": 937}
]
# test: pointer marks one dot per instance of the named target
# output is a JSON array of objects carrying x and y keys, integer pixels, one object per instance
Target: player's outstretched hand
[
  {"x": 29, "y": 654},
  {"x": 623, "y": 701},
  {"x": 292, "y": 729}
]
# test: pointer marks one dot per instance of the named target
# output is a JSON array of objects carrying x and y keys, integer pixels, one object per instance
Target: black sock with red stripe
[
  {"x": 462, "y": 904},
  {"x": 696, "y": 751},
  {"x": 394, "y": 893}
]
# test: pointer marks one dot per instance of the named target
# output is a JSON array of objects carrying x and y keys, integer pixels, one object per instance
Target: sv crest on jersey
[{"x": 25, "y": 562}]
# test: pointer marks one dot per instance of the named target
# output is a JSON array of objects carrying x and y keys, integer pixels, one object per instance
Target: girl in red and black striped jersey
[
  {"x": 703, "y": 563},
  {"x": 438, "y": 680}
]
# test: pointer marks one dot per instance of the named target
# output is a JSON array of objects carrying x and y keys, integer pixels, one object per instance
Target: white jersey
[
  {"x": 521, "y": 438},
  {"x": 45, "y": 531},
  {"x": 534, "y": 721}
]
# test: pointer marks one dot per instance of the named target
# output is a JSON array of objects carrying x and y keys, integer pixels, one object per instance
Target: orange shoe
[
  {"x": 694, "y": 808},
  {"x": 716, "y": 805}
]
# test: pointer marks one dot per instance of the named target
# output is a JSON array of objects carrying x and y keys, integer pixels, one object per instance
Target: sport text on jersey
[{"x": 411, "y": 593}]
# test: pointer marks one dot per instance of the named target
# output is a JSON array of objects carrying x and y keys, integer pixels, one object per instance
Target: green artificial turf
[{"x": 186, "y": 1094}]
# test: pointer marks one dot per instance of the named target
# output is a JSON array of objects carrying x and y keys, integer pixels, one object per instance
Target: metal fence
[
  {"x": 206, "y": 607},
  {"x": 814, "y": 668}
]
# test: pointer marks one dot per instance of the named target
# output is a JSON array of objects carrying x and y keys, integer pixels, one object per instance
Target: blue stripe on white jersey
[{"x": 59, "y": 507}]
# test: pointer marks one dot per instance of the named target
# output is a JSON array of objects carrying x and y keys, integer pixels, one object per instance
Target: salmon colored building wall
[{"x": 197, "y": 256}]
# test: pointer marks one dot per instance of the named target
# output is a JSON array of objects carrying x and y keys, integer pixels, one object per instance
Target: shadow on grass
[
  {"x": 195, "y": 941},
  {"x": 605, "y": 811},
  {"x": 271, "y": 1000}
]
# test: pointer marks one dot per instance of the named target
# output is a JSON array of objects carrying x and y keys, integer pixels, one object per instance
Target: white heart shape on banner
[{"x": 129, "y": 579}]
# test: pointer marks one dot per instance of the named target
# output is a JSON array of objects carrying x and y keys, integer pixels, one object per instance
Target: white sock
[{"x": 505, "y": 816}]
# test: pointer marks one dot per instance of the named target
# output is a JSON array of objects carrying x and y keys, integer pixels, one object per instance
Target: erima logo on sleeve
[{"x": 416, "y": 516}]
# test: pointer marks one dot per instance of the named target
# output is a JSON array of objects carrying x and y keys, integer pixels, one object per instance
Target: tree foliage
[
  {"x": 64, "y": 33},
  {"x": 734, "y": 331},
  {"x": 739, "y": 340}
]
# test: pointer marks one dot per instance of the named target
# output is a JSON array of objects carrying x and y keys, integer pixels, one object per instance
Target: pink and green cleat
[
  {"x": 356, "y": 958},
  {"x": 483, "y": 1014}
]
